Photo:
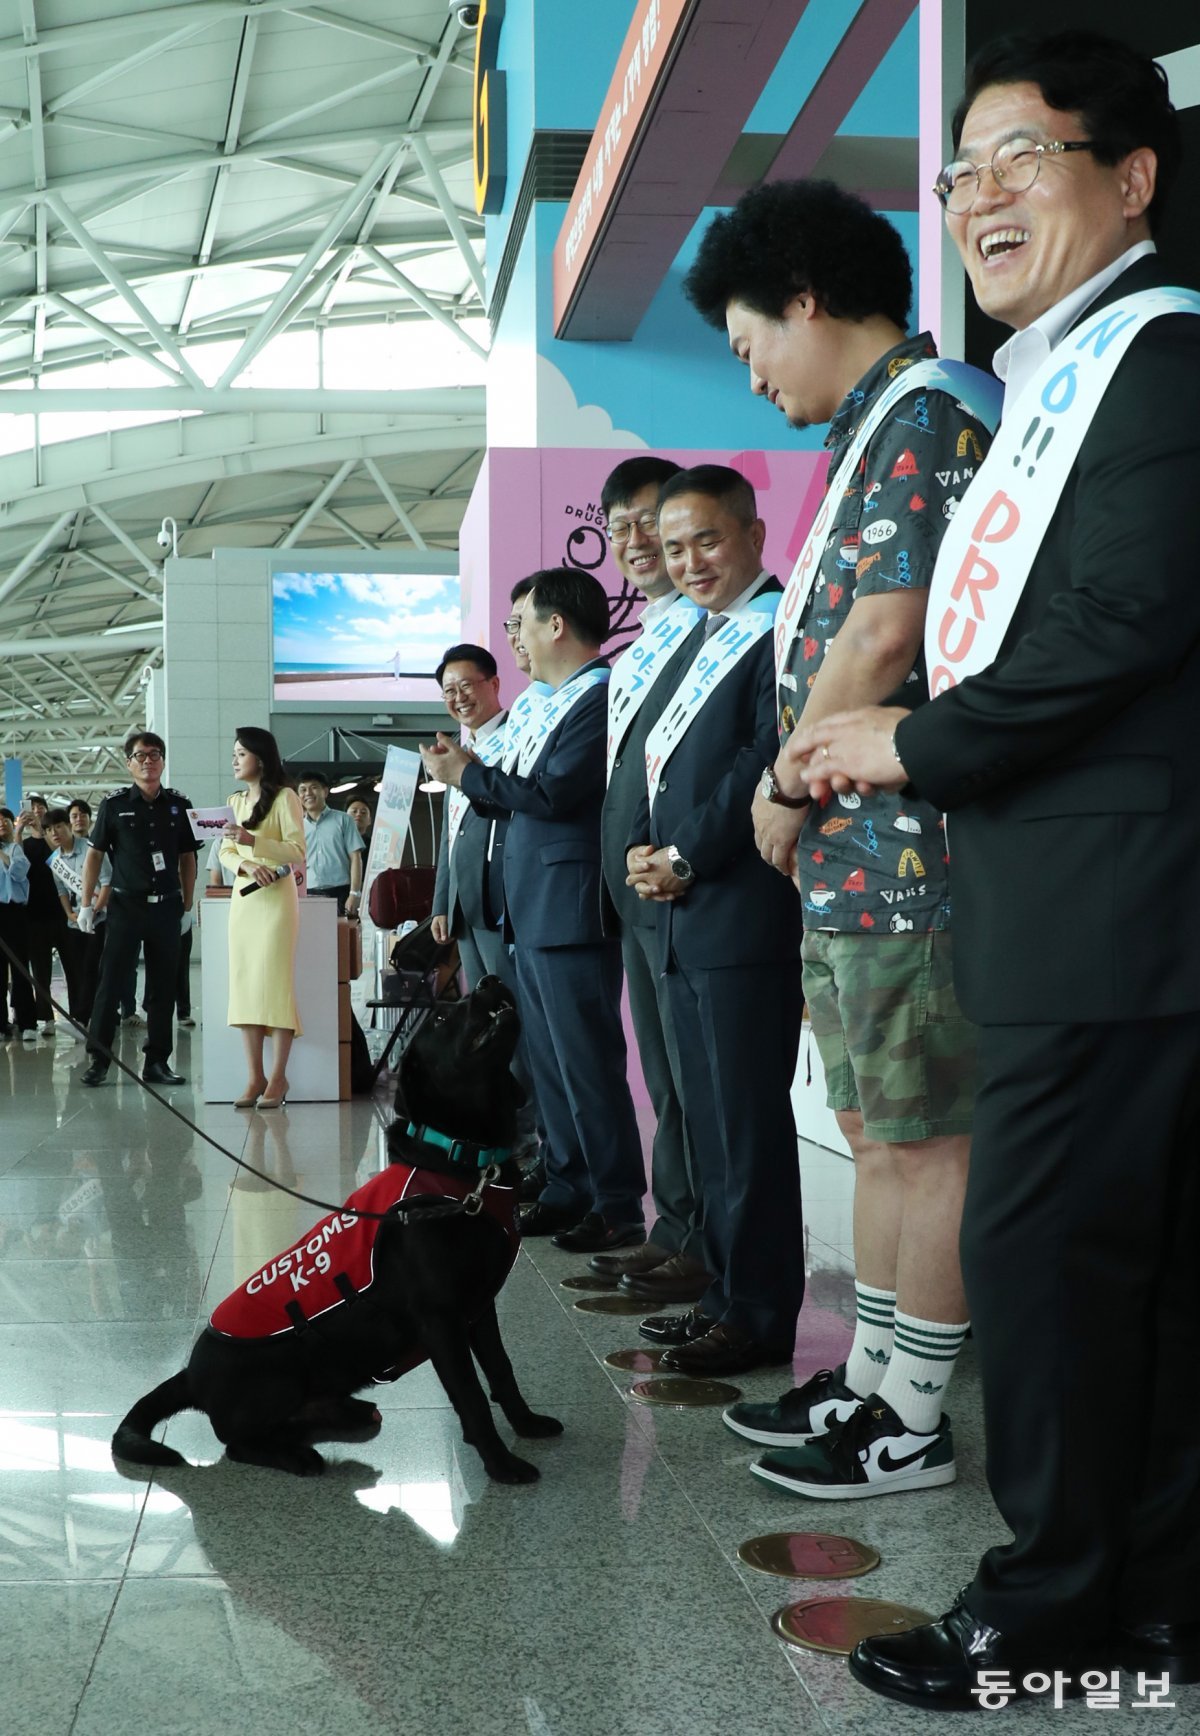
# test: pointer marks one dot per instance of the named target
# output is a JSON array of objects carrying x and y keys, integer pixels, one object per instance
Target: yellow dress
[{"x": 263, "y": 928}]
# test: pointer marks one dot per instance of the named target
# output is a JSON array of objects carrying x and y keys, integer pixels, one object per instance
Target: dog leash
[{"x": 326, "y": 1206}]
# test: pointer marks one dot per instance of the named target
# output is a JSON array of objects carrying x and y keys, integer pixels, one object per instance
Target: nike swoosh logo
[{"x": 886, "y": 1462}]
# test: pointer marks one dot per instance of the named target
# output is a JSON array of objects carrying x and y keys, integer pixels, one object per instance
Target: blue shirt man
[{"x": 334, "y": 845}]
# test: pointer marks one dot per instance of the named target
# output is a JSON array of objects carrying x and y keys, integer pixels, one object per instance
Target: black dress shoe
[
  {"x": 158, "y": 1073},
  {"x": 96, "y": 1074},
  {"x": 1169, "y": 1648},
  {"x": 676, "y": 1280},
  {"x": 676, "y": 1328},
  {"x": 595, "y": 1234},
  {"x": 533, "y": 1180},
  {"x": 722, "y": 1350},
  {"x": 940, "y": 1665},
  {"x": 544, "y": 1220},
  {"x": 643, "y": 1259}
]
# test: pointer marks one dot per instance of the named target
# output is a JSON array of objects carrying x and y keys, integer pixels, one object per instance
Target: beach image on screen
[{"x": 373, "y": 637}]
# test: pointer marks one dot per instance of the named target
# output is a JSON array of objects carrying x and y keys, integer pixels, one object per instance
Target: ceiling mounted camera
[{"x": 467, "y": 15}]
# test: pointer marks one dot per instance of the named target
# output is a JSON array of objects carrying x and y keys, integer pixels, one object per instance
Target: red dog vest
[{"x": 335, "y": 1260}]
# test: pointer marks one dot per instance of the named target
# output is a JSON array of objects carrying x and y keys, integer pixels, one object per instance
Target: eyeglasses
[
  {"x": 1015, "y": 166},
  {"x": 620, "y": 529},
  {"x": 146, "y": 757},
  {"x": 455, "y": 689},
  {"x": 512, "y": 625}
]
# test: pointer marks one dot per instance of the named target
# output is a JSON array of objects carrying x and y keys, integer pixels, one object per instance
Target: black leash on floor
[{"x": 400, "y": 1208}]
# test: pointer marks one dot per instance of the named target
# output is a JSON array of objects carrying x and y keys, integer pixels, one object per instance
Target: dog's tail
[{"x": 133, "y": 1441}]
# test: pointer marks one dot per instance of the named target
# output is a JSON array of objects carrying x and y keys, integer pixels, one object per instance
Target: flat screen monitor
[{"x": 341, "y": 639}]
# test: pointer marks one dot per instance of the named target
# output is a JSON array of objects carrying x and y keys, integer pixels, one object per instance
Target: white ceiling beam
[
  {"x": 402, "y": 517},
  {"x": 124, "y": 289},
  {"x": 119, "y": 68},
  {"x": 419, "y": 401},
  {"x": 421, "y": 51},
  {"x": 310, "y": 512},
  {"x": 102, "y": 31},
  {"x": 114, "y": 640},
  {"x": 118, "y": 578},
  {"x": 27, "y": 563},
  {"x": 75, "y": 123},
  {"x": 216, "y": 197},
  {"x": 337, "y": 99},
  {"x": 79, "y": 316},
  {"x": 126, "y": 541},
  {"x": 332, "y": 228},
  {"x": 446, "y": 204},
  {"x": 348, "y": 529},
  {"x": 424, "y": 301}
]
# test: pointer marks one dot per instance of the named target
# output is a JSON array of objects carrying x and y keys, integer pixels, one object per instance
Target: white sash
[
  {"x": 490, "y": 749},
  {"x": 1012, "y": 499},
  {"x": 64, "y": 869},
  {"x": 639, "y": 667},
  {"x": 522, "y": 717},
  {"x": 980, "y": 396},
  {"x": 554, "y": 710},
  {"x": 718, "y": 655}
]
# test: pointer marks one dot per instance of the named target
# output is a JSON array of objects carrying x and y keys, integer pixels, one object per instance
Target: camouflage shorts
[{"x": 892, "y": 1040}]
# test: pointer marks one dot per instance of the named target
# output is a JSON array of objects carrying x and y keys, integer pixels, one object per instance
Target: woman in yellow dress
[{"x": 259, "y": 848}]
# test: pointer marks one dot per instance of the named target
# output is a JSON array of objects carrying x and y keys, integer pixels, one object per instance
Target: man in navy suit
[
  {"x": 568, "y": 972},
  {"x": 729, "y": 933}
]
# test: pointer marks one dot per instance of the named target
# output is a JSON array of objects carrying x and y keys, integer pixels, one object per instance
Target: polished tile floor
[{"x": 401, "y": 1592}]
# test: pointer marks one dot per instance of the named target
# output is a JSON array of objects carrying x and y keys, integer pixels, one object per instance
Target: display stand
[{"x": 313, "y": 1065}]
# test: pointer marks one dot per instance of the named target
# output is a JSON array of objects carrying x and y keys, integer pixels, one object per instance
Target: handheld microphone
[{"x": 245, "y": 891}]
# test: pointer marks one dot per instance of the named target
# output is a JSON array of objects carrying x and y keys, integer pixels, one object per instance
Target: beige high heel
[
  {"x": 274, "y": 1102},
  {"x": 251, "y": 1098}
]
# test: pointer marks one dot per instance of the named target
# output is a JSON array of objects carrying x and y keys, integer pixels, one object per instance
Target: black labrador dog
[{"x": 356, "y": 1300}]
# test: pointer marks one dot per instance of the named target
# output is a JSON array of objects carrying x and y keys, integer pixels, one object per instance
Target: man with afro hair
[{"x": 813, "y": 289}]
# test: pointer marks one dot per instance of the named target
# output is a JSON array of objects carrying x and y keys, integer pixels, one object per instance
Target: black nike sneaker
[
  {"x": 870, "y": 1453},
  {"x": 798, "y": 1415}
]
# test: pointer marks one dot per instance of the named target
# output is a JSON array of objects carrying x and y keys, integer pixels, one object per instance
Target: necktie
[{"x": 714, "y": 625}]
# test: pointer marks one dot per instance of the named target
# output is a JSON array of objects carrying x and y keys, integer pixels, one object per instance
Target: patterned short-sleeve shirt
[{"x": 879, "y": 862}]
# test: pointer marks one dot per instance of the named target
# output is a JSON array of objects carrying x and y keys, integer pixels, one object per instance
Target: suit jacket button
[
  {"x": 662, "y": 784},
  {"x": 616, "y": 762}
]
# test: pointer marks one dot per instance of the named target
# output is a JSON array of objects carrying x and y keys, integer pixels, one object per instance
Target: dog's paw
[
  {"x": 510, "y": 1469},
  {"x": 532, "y": 1426}
]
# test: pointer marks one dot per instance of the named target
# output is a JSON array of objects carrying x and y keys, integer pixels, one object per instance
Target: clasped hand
[
  {"x": 447, "y": 759},
  {"x": 650, "y": 874},
  {"x": 239, "y": 834}
]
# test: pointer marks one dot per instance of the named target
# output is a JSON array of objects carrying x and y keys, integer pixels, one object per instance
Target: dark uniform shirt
[
  {"x": 879, "y": 862},
  {"x": 133, "y": 832}
]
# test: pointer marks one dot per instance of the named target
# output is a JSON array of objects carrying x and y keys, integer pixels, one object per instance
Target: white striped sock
[
  {"x": 875, "y": 1313},
  {"x": 923, "y": 1356}
]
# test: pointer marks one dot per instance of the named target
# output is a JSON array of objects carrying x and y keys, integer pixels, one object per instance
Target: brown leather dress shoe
[
  {"x": 722, "y": 1350},
  {"x": 678, "y": 1279},
  {"x": 643, "y": 1259}
]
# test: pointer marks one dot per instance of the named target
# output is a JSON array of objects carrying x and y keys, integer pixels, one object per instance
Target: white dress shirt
[{"x": 1018, "y": 360}]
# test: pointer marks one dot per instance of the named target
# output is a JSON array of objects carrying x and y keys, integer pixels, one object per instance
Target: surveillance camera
[
  {"x": 163, "y": 539},
  {"x": 467, "y": 15}
]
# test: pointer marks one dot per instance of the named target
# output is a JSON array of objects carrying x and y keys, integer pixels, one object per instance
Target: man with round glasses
[
  {"x": 144, "y": 831},
  {"x": 1064, "y": 663}
]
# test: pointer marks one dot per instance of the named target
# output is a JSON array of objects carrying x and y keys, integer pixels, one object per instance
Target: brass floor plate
[
  {"x": 617, "y": 1304},
  {"x": 680, "y": 1392},
  {"x": 588, "y": 1281},
  {"x": 836, "y": 1624},
  {"x": 635, "y": 1361},
  {"x": 808, "y": 1555}
]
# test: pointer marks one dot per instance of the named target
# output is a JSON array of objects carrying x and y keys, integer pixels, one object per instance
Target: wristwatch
[
  {"x": 681, "y": 869},
  {"x": 770, "y": 791}
]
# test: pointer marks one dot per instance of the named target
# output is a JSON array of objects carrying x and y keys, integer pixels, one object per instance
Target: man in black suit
[
  {"x": 1065, "y": 663},
  {"x": 728, "y": 932},
  {"x": 668, "y": 1267},
  {"x": 568, "y": 972}
]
